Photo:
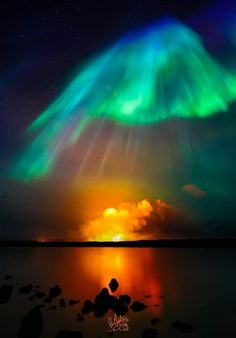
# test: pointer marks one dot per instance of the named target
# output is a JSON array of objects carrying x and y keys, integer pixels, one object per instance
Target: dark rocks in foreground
[
  {"x": 62, "y": 303},
  {"x": 79, "y": 317},
  {"x": 69, "y": 334},
  {"x": 5, "y": 293},
  {"x": 53, "y": 292},
  {"x": 113, "y": 285},
  {"x": 138, "y": 306},
  {"x": 25, "y": 290},
  {"x": 125, "y": 299},
  {"x": 119, "y": 307},
  {"x": 155, "y": 321},
  {"x": 182, "y": 326},
  {"x": 73, "y": 302},
  {"x": 104, "y": 301},
  {"x": 102, "y": 296},
  {"x": 31, "y": 324},
  {"x": 87, "y": 307},
  {"x": 149, "y": 333},
  {"x": 39, "y": 294}
]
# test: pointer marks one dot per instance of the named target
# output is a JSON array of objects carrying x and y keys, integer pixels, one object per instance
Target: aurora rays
[{"x": 155, "y": 74}]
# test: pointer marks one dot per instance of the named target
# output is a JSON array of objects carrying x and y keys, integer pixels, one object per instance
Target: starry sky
[{"x": 188, "y": 163}]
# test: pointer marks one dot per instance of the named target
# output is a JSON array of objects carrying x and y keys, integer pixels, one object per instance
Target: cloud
[
  {"x": 136, "y": 221},
  {"x": 121, "y": 223},
  {"x": 194, "y": 191}
]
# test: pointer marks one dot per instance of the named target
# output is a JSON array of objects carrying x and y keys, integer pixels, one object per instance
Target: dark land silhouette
[{"x": 160, "y": 243}]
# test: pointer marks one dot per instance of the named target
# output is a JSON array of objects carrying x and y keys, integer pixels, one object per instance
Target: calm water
[{"x": 198, "y": 285}]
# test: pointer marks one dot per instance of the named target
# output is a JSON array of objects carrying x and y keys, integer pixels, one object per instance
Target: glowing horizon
[{"x": 130, "y": 221}]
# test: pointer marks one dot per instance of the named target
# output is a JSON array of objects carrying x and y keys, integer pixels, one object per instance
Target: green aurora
[{"x": 155, "y": 74}]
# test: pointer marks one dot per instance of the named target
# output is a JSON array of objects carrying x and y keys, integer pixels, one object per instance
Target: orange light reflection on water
[
  {"x": 133, "y": 268},
  {"x": 83, "y": 272}
]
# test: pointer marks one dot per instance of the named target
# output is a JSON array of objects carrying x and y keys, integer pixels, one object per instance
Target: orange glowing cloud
[
  {"x": 132, "y": 221},
  {"x": 119, "y": 224}
]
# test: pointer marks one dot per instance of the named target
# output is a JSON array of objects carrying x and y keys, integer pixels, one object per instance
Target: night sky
[{"x": 189, "y": 163}]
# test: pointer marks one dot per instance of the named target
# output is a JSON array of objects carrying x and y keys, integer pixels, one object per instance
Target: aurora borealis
[
  {"x": 117, "y": 168},
  {"x": 157, "y": 73},
  {"x": 118, "y": 107}
]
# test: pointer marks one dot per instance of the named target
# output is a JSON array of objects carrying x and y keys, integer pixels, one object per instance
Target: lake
[{"x": 197, "y": 286}]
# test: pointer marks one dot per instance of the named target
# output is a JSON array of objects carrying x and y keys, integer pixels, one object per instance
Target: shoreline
[{"x": 162, "y": 243}]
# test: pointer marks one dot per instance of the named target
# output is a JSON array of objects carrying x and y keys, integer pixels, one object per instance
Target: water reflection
[
  {"x": 133, "y": 269},
  {"x": 196, "y": 283},
  {"x": 83, "y": 272}
]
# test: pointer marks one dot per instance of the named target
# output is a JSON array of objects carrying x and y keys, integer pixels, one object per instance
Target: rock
[
  {"x": 113, "y": 285},
  {"x": 138, "y": 306},
  {"x": 112, "y": 300},
  {"x": 118, "y": 307},
  {"x": 39, "y": 294},
  {"x": 5, "y": 293},
  {"x": 79, "y": 317},
  {"x": 155, "y": 321},
  {"x": 100, "y": 310},
  {"x": 182, "y": 326},
  {"x": 87, "y": 307},
  {"x": 53, "y": 292},
  {"x": 102, "y": 297},
  {"x": 25, "y": 290},
  {"x": 104, "y": 301},
  {"x": 62, "y": 303},
  {"x": 101, "y": 303},
  {"x": 69, "y": 334},
  {"x": 149, "y": 333},
  {"x": 125, "y": 299},
  {"x": 7, "y": 277},
  {"x": 31, "y": 324},
  {"x": 73, "y": 302}
]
